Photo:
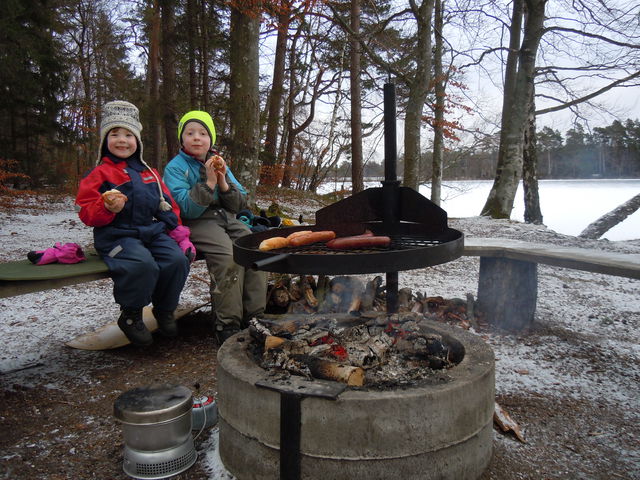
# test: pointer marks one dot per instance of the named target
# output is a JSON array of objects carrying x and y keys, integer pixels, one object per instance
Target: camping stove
[{"x": 156, "y": 427}]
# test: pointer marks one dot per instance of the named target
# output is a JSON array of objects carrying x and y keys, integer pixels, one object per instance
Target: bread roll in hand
[
  {"x": 110, "y": 197},
  {"x": 218, "y": 162}
]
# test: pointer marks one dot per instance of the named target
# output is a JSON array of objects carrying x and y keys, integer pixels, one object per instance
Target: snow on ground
[{"x": 580, "y": 315}]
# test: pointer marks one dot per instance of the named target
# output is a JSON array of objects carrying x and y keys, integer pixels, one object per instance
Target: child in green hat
[{"x": 209, "y": 197}]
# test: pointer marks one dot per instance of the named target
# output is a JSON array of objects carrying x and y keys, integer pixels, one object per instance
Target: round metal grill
[{"x": 406, "y": 252}]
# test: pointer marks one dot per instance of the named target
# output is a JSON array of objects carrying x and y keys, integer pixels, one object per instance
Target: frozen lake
[{"x": 568, "y": 206}]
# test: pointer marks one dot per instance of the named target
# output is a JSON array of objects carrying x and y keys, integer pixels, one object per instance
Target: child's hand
[
  {"x": 114, "y": 200},
  {"x": 216, "y": 169},
  {"x": 215, "y": 166}
]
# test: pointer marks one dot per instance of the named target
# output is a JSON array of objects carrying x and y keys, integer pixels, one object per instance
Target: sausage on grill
[{"x": 359, "y": 241}]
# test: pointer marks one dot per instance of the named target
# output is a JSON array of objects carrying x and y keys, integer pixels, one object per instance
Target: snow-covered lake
[{"x": 568, "y": 206}]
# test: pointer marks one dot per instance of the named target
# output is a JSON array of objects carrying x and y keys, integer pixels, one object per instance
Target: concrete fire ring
[{"x": 442, "y": 431}]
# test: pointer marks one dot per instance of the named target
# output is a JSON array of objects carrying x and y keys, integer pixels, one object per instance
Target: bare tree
[
  {"x": 244, "y": 96},
  {"x": 357, "y": 182},
  {"x": 415, "y": 75},
  {"x": 153, "y": 124},
  {"x": 605, "y": 223},
  {"x": 532, "y": 211},
  {"x": 269, "y": 174},
  {"x": 168, "y": 88},
  {"x": 517, "y": 96},
  {"x": 604, "y": 45},
  {"x": 438, "y": 124}
]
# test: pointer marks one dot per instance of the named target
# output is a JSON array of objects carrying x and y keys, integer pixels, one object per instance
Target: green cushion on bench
[{"x": 24, "y": 270}]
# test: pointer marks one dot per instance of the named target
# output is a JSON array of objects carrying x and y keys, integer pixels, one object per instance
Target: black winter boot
[
  {"x": 130, "y": 322},
  {"x": 224, "y": 332},
  {"x": 166, "y": 322}
]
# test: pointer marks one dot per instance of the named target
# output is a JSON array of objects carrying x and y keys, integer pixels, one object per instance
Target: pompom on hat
[
  {"x": 203, "y": 118},
  {"x": 121, "y": 114}
]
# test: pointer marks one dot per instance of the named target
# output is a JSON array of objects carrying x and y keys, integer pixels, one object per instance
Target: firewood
[
  {"x": 301, "y": 307},
  {"x": 322, "y": 288},
  {"x": 328, "y": 370},
  {"x": 506, "y": 423},
  {"x": 272, "y": 342},
  {"x": 295, "y": 291},
  {"x": 369, "y": 295},
  {"x": 404, "y": 298},
  {"x": 417, "y": 307},
  {"x": 280, "y": 296},
  {"x": 307, "y": 291},
  {"x": 280, "y": 327}
]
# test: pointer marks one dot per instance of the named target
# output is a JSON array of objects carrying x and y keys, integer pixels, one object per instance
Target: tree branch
[
  {"x": 590, "y": 96},
  {"x": 633, "y": 46}
]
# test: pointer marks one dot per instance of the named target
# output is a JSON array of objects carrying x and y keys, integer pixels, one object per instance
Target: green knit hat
[{"x": 202, "y": 118}]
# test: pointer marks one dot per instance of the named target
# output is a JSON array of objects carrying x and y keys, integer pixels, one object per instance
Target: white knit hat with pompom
[{"x": 121, "y": 114}]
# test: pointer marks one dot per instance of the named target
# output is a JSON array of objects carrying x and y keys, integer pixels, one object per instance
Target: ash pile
[{"x": 338, "y": 329}]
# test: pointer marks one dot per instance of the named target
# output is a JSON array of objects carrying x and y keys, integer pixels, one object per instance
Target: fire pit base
[{"x": 441, "y": 431}]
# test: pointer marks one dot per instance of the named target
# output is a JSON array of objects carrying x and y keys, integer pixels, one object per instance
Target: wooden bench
[
  {"x": 20, "y": 277},
  {"x": 507, "y": 285},
  {"x": 508, "y": 281}
]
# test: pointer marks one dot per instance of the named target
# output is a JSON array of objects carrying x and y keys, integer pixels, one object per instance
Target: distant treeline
[{"x": 606, "y": 152}]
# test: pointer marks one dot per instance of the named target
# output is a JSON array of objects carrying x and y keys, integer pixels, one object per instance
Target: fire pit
[
  {"x": 314, "y": 428},
  {"x": 439, "y": 430}
]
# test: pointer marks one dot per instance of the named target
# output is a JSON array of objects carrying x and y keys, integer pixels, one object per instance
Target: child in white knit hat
[{"x": 136, "y": 226}]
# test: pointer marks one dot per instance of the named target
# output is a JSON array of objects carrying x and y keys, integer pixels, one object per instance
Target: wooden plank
[
  {"x": 11, "y": 288},
  {"x": 20, "y": 277},
  {"x": 591, "y": 260}
]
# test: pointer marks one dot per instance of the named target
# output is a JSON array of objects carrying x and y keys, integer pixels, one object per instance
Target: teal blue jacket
[{"x": 183, "y": 176}]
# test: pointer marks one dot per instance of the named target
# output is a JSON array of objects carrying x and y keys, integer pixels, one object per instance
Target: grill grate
[{"x": 398, "y": 243}]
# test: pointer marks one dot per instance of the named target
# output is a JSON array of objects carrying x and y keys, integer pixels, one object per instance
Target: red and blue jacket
[{"x": 141, "y": 216}]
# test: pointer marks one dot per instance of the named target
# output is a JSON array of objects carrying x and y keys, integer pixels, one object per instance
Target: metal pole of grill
[{"x": 390, "y": 185}]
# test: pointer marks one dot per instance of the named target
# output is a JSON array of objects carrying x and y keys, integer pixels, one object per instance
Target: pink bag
[{"x": 67, "y": 253}]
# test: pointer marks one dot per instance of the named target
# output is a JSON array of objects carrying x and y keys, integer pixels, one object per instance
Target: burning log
[
  {"x": 271, "y": 342},
  {"x": 329, "y": 370}
]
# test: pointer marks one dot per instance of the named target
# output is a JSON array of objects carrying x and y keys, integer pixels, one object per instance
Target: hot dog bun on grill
[{"x": 272, "y": 243}]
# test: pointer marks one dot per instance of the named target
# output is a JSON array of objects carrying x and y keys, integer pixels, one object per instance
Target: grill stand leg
[
  {"x": 292, "y": 393},
  {"x": 290, "y": 428}
]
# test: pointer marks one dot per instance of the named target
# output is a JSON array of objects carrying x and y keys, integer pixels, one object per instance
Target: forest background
[{"x": 295, "y": 88}]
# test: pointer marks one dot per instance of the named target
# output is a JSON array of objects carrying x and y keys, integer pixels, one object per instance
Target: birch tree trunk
[
  {"x": 438, "y": 127},
  {"x": 418, "y": 90},
  {"x": 244, "y": 98},
  {"x": 515, "y": 110},
  {"x": 357, "y": 182},
  {"x": 532, "y": 212}
]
